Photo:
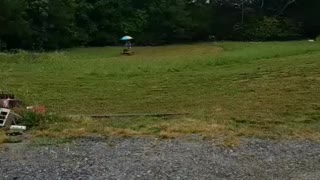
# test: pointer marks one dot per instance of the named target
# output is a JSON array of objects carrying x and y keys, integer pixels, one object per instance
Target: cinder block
[
  {"x": 9, "y": 103},
  {"x": 6, "y": 117}
]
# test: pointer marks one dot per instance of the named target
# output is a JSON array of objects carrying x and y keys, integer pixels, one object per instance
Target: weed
[
  {"x": 3, "y": 137},
  {"x": 39, "y": 121}
]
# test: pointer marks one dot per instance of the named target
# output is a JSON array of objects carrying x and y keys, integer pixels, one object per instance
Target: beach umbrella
[{"x": 126, "y": 38}]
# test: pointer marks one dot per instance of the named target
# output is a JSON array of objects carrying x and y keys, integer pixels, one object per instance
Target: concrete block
[
  {"x": 6, "y": 117},
  {"x": 9, "y": 103}
]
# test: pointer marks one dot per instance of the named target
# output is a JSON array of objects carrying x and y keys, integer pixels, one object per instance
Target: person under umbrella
[{"x": 128, "y": 45}]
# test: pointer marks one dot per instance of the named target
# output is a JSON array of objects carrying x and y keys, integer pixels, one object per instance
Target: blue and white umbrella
[{"x": 126, "y": 38}]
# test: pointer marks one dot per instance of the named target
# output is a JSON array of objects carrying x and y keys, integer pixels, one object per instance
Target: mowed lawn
[{"x": 242, "y": 88}]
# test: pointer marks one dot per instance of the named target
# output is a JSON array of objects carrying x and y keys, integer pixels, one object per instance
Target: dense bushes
[
  {"x": 38, "y": 121},
  {"x": 269, "y": 28},
  {"x": 54, "y": 24}
]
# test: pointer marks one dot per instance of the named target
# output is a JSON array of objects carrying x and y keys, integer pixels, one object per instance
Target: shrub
[
  {"x": 318, "y": 38},
  {"x": 269, "y": 28},
  {"x": 38, "y": 121}
]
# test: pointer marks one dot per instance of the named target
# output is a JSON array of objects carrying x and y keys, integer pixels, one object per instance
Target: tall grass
[{"x": 108, "y": 61}]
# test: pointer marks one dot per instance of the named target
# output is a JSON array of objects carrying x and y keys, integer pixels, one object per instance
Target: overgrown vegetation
[
  {"x": 39, "y": 121},
  {"x": 33, "y": 121},
  {"x": 56, "y": 24},
  {"x": 233, "y": 89},
  {"x": 269, "y": 28}
]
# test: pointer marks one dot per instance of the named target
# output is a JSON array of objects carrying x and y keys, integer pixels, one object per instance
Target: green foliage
[
  {"x": 269, "y": 28},
  {"x": 309, "y": 14},
  {"x": 51, "y": 22},
  {"x": 318, "y": 38},
  {"x": 55, "y": 24},
  {"x": 38, "y": 121},
  {"x": 15, "y": 29}
]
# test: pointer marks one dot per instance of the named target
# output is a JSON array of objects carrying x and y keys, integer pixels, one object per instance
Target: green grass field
[{"x": 269, "y": 89}]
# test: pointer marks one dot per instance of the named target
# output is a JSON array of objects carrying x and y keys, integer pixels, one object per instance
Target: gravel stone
[{"x": 147, "y": 158}]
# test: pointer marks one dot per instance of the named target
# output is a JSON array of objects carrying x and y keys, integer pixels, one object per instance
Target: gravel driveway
[{"x": 146, "y": 158}]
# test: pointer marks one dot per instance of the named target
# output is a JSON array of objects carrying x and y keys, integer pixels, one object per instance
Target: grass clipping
[{"x": 122, "y": 127}]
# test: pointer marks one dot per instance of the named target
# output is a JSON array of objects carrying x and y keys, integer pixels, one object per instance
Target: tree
[
  {"x": 307, "y": 12},
  {"x": 54, "y": 24},
  {"x": 14, "y": 29},
  {"x": 201, "y": 13}
]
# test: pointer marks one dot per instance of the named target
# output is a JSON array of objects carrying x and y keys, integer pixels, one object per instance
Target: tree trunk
[
  {"x": 262, "y": 8},
  {"x": 242, "y": 12}
]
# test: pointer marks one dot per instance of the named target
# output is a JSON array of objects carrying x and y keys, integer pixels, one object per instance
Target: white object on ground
[
  {"x": 6, "y": 117},
  {"x": 18, "y": 128}
]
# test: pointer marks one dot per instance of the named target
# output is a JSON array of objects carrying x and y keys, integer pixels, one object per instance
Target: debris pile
[
  {"x": 37, "y": 109},
  {"x": 9, "y": 106}
]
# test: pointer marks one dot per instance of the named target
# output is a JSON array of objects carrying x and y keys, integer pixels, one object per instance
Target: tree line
[{"x": 55, "y": 24}]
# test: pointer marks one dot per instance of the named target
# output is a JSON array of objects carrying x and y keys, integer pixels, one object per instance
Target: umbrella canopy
[{"x": 126, "y": 38}]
